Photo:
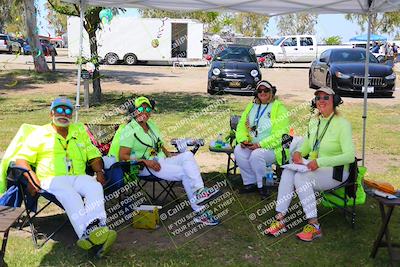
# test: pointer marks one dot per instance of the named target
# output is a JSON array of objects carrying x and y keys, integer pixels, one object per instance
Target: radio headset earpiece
[
  {"x": 266, "y": 84},
  {"x": 337, "y": 100}
]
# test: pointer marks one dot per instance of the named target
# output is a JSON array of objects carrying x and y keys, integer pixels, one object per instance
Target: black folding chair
[
  {"x": 167, "y": 187},
  {"x": 16, "y": 177},
  {"x": 349, "y": 196}
]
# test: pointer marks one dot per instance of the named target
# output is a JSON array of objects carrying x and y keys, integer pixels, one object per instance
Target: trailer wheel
[
  {"x": 130, "y": 59},
  {"x": 111, "y": 59}
]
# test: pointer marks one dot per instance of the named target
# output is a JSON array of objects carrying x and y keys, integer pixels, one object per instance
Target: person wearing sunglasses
[
  {"x": 60, "y": 151},
  {"x": 141, "y": 141},
  {"x": 259, "y": 133},
  {"x": 330, "y": 150}
]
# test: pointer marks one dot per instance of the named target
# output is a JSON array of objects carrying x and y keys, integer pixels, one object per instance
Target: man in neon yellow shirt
[{"x": 59, "y": 152}]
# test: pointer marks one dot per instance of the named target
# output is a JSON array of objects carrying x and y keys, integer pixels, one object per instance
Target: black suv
[{"x": 234, "y": 69}]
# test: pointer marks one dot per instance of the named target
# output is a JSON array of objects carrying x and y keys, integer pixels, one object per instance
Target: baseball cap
[
  {"x": 142, "y": 99},
  {"x": 327, "y": 90},
  {"x": 61, "y": 101}
]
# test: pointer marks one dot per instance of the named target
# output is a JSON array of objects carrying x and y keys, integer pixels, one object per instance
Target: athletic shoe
[
  {"x": 206, "y": 218},
  {"x": 276, "y": 228},
  {"x": 111, "y": 237},
  {"x": 205, "y": 194},
  {"x": 96, "y": 237},
  {"x": 310, "y": 232}
]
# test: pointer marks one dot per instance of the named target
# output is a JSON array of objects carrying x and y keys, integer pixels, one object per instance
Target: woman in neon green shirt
[
  {"x": 259, "y": 134},
  {"x": 330, "y": 151},
  {"x": 142, "y": 141}
]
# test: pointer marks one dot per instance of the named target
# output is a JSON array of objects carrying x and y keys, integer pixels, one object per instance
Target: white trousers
[
  {"x": 252, "y": 164},
  {"x": 305, "y": 184},
  {"x": 182, "y": 167},
  {"x": 69, "y": 191}
]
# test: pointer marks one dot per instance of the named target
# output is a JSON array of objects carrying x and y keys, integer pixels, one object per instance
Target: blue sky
[{"x": 328, "y": 25}]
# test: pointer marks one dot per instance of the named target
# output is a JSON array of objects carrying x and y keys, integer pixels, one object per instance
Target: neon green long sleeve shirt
[
  {"x": 336, "y": 147},
  {"x": 279, "y": 126}
]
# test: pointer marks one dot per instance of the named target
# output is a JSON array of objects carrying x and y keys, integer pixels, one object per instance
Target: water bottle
[
  {"x": 219, "y": 143},
  {"x": 269, "y": 175},
  {"x": 220, "y": 139}
]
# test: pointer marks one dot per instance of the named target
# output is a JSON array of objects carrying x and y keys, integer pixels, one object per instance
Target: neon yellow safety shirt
[{"x": 49, "y": 152}]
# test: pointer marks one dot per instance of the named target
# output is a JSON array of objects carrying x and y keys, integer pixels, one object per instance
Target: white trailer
[{"x": 131, "y": 39}]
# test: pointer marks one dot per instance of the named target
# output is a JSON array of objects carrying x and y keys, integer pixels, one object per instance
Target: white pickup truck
[{"x": 292, "y": 48}]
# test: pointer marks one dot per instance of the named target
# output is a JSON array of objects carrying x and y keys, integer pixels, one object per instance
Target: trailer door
[{"x": 195, "y": 40}]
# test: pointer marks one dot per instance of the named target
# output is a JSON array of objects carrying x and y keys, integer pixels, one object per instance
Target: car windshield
[
  {"x": 241, "y": 54},
  {"x": 351, "y": 55},
  {"x": 277, "y": 42},
  {"x": 3, "y": 37}
]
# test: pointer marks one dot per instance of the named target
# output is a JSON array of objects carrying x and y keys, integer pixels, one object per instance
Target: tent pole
[
  {"x": 78, "y": 80},
  {"x": 366, "y": 88}
]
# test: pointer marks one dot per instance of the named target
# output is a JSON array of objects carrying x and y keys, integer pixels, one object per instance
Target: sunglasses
[
  {"x": 325, "y": 97},
  {"x": 142, "y": 109},
  {"x": 259, "y": 91},
  {"x": 60, "y": 110}
]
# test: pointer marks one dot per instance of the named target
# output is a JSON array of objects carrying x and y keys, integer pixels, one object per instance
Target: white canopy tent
[{"x": 265, "y": 7}]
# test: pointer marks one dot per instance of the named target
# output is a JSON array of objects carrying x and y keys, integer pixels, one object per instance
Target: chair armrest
[{"x": 20, "y": 171}]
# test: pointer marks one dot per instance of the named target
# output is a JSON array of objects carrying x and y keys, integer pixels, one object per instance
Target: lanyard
[
  {"x": 68, "y": 161},
  {"x": 258, "y": 115},
  {"x": 64, "y": 147},
  {"x": 319, "y": 139}
]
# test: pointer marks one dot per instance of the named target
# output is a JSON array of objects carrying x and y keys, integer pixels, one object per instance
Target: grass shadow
[{"x": 27, "y": 79}]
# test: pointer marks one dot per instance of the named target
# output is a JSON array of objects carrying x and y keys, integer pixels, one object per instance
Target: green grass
[{"x": 236, "y": 242}]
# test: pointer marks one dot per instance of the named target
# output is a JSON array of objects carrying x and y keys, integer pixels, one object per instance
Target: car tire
[
  {"x": 111, "y": 59},
  {"x": 387, "y": 94},
  {"x": 210, "y": 90},
  {"x": 310, "y": 83},
  {"x": 130, "y": 59},
  {"x": 269, "y": 61}
]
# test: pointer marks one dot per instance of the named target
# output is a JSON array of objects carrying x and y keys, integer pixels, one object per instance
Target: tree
[
  {"x": 39, "y": 60},
  {"x": 91, "y": 24},
  {"x": 301, "y": 23},
  {"x": 56, "y": 20},
  {"x": 15, "y": 22},
  {"x": 250, "y": 24},
  {"x": 333, "y": 40},
  {"x": 388, "y": 22},
  {"x": 5, "y": 8}
]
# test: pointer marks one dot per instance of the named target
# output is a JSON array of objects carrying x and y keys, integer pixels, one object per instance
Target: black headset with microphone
[{"x": 337, "y": 100}]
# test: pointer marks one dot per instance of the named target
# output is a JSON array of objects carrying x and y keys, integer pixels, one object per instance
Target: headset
[
  {"x": 337, "y": 100},
  {"x": 270, "y": 86}
]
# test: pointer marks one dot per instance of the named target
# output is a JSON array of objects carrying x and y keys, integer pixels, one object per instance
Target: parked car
[
  {"x": 343, "y": 70},
  {"x": 9, "y": 44},
  {"x": 292, "y": 48},
  {"x": 234, "y": 69}
]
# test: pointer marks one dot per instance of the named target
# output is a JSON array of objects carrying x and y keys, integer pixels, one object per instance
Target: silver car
[{"x": 9, "y": 44}]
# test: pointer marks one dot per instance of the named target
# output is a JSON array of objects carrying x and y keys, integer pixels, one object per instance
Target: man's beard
[{"x": 57, "y": 121}]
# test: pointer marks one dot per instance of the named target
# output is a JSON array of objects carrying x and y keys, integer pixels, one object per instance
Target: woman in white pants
[
  {"x": 141, "y": 141},
  {"x": 330, "y": 149},
  {"x": 259, "y": 133}
]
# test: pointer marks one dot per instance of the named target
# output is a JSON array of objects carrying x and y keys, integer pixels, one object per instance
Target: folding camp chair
[
  {"x": 16, "y": 178},
  {"x": 167, "y": 187},
  {"x": 348, "y": 198}
]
